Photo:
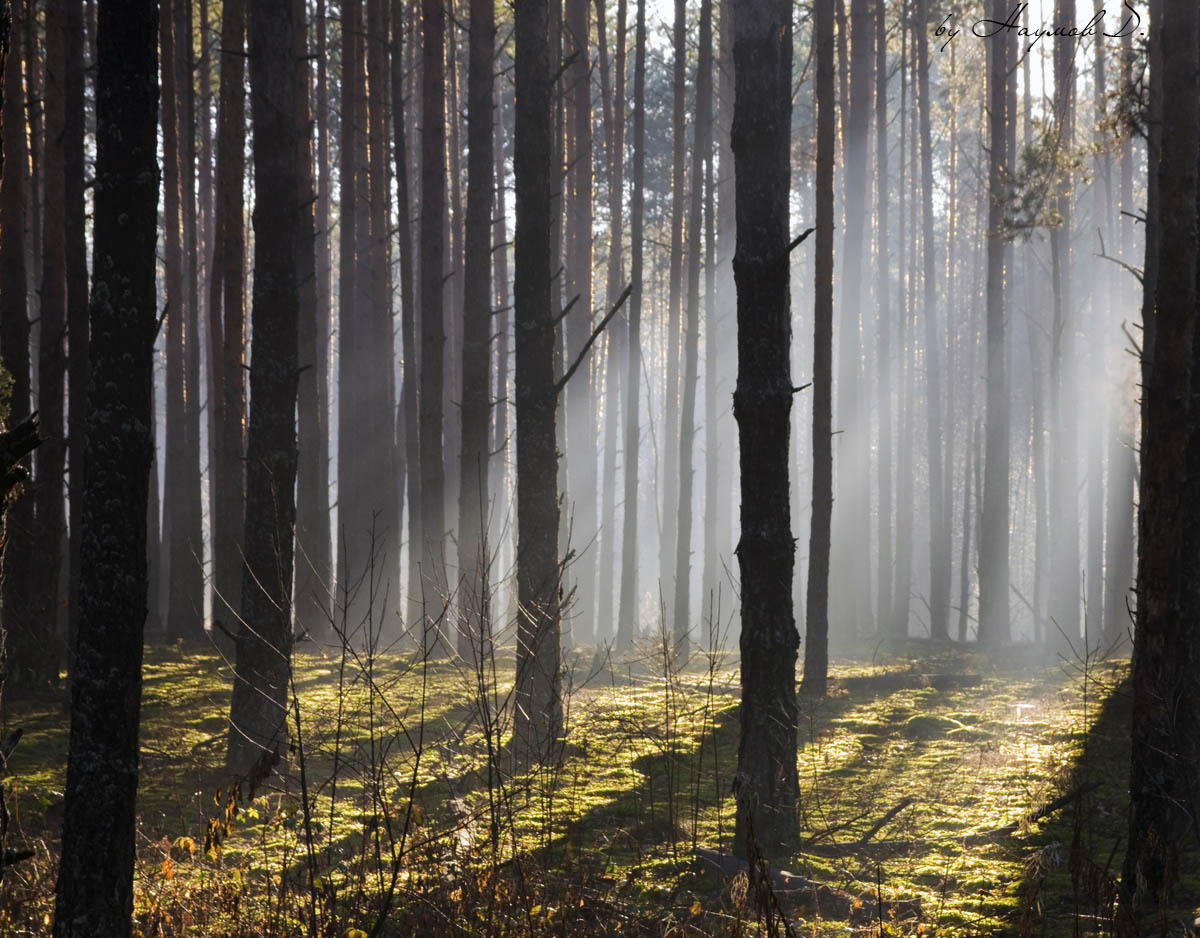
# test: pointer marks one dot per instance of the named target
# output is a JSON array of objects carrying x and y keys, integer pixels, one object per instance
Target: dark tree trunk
[
  {"x": 994, "y": 521},
  {"x": 627, "y": 609},
  {"x": 538, "y": 717},
  {"x": 227, "y": 309},
  {"x": 379, "y": 355},
  {"x": 474, "y": 637},
  {"x": 816, "y": 654},
  {"x": 579, "y": 411},
  {"x": 52, "y": 360},
  {"x": 312, "y": 588},
  {"x": 1166, "y": 698},
  {"x": 432, "y": 329},
  {"x": 77, "y": 287},
  {"x": 184, "y": 582},
  {"x": 702, "y": 145},
  {"x": 24, "y": 644},
  {"x": 96, "y": 898},
  {"x": 258, "y": 710},
  {"x": 766, "y": 783}
]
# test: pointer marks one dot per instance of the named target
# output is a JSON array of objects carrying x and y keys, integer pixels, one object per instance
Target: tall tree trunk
[
  {"x": 96, "y": 898},
  {"x": 994, "y": 521},
  {"x": 538, "y": 717},
  {"x": 850, "y": 590},
  {"x": 883, "y": 602},
  {"x": 613, "y": 100},
  {"x": 670, "y": 434},
  {"x": 312, "y": 489},
  {"x": 939, "y": 529},
  {"x": 627, "y": 610},
  {"x": 1064, "y": 501},
  {"x": 767, "y": 785},
  {"x": 48, "y": 477},
  {"x": 717, "y": 560},
  {"x": 77, "y": 287},
  {"x": 904, "y": 455},
  {"x": 474, "y": 637},
  {"x": 227, "y": 312},
  {"x": 181, "y": 493},
  {"x": 702, "y": 144},
  {"x": 258, "y": 711},
  {"x": 379, "y": 354},
  {"x": 1166, "y": 698},
  {"x": 408, "y": 321},
  {"x": 433, "y": 337},
  {"x": 24, "y": 643},
  {"x": 816, "y": 654},
  {"x": 1122, "y": 465}
]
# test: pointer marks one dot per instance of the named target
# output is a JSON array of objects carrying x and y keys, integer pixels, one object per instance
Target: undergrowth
[{"x": 409, "y": 817}]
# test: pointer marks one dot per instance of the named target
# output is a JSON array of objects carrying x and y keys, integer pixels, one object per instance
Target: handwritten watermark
[{"x": 988, "y": 28}]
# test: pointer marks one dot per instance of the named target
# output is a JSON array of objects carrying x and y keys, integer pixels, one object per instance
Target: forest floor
[{"x": 920, "y": 781}]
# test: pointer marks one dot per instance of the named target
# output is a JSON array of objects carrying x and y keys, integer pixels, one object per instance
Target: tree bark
[
  {"x": 538, "y": 717},
  {"x": 816, "y": 655},
  {"x": 24, "y": 644},
  {"x": 77, "y": 287},
  {"x": 474, "y": 637},
  {"x": 52, "y": 359},
  {"x": 766, "y": 782},
  {"x": 227, "y": 310},
  {"x": 994, "y": 521},
  {"x": 627, "y": 613},
  {"x": 258, "y": 711},
  {"x": 702, "y": 145},
  {"x": 432, "y": 328},
  {"x": 1166, "y": 698},
  {"x": 96, "y": 898}
]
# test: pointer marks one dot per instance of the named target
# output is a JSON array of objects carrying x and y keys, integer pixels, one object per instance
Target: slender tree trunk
[
  {"x": 850, "y": 571},
  {"x": 258, "y": 711},
  {"x": 1064, "y": 502},
  {"x": 904, "y": 455},
  {"x": 96, "y": 898},
  {"x": 312, "y": 586},
  {"x": 939, "y": 530},
  {"x": 538, "y": 718},
  {"x": 994, "y": 522},
  {"x": 77, "y": 289},
  {"x": 1122, "y": 465},
  {"x": 816, "y": 655},
  {"x": 408, "y": 321},
  {"x": 702, "y": 145},
  {"x": 433, "y": 337},
  {"x": 474, "y": 638},
  {"x": 627, "y": 611},
  {"x": 766, "y": 783},
  {"x": 618, "y": 332},
  {"x": 883, "y": 602},
  {"x": 670, "y": 489},
  {"x": 227, "y": 312}
]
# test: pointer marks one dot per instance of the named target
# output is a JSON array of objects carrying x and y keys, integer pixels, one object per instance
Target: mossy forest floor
[{"x": 398, "y": 826}]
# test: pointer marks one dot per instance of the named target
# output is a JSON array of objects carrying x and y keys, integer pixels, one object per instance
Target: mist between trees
[{"x": 459, "y": 332}]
